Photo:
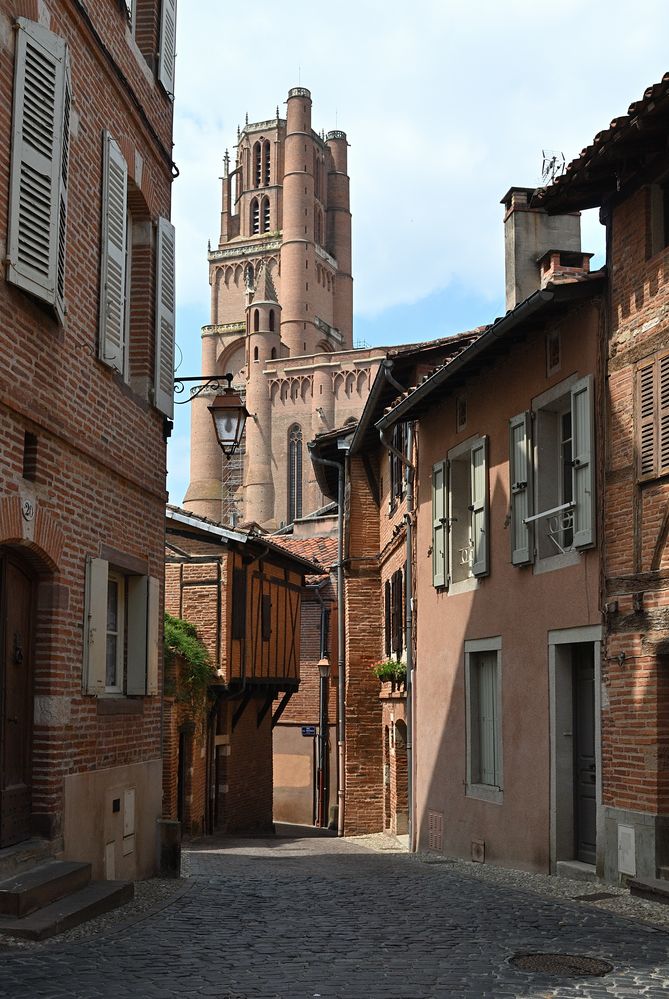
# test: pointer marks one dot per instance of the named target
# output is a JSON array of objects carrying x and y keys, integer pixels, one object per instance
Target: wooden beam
[
  {"x": 242, "y": 708},
  {"x": 282, "y": 707},
  {"x": 264, "y": 709}
]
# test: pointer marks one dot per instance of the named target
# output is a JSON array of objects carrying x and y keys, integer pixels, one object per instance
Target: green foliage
[
  {"x": 194, "y": 677},
  {"x": 390, "y": 671}
]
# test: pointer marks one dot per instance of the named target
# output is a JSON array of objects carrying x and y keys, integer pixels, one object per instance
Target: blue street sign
[{"x": 308, "y": 730}]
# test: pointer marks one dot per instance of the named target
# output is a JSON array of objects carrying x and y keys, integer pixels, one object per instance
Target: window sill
[
  {"x": 553, "y": 562},
  {"x": 463, "y": 586},
  {"x": 485, "y": 792},
  {"x": 117, "y": 704}
]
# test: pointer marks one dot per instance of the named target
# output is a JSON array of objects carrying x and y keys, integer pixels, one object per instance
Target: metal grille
[{"x": 564, "y": 965}]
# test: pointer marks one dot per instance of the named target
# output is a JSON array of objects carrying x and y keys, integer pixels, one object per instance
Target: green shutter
[
  {"x": 520, "y": 482},
  {"x": 439, "y": 524},
  {"x": 583, "y": 462},
  {"x": 479, "y": 507}
]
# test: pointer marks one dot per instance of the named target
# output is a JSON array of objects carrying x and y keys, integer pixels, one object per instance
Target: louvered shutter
[
  {"x": 95, "y": 626},
  {"x": 388, "y": 620},
  {"x": 165, "y": 319},
  {"x": 138, "y": 596},
  {"x": 647, "y": 429},
  {"x": 39, "y": 164},
  {"x": 583, "y": 462},
  {"x": 520, "y": 475},
  {"x": 439, "y": 524},
  {"x": 479, "y": 507},
  {"x": 167, "y": 50},
  {"x": 112, "y": 336},
  {"x": 663, "y": 414}
]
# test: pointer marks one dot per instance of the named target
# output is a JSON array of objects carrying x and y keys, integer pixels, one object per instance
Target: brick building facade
[{"x": 85, "y": 392}]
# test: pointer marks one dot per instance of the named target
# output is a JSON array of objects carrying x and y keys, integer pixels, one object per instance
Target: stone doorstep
[
  {"x": 33, "y": 889},
  {"x": 576, "y": 870},
  {"x": 652, "y": 889},
  {"x": 95, "y": 899},
  {"x": 26, "y": 855}
]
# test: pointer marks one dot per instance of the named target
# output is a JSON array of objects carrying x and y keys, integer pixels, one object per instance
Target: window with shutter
[
  {"x": 239, "y": 603},
  {"x": 468, "y": 510},
  {"x": 484, "y": 730},
  {"x": 387, "y": 631},
  {"x": 39, "y": 165},
  {"x": 167, "y": 47},
  {"x": 652, "y": 416},
  {"x": 583, "y": 462},
  {"x": 121, "y": 634},
  {"x": 397, "y": 617},
  {"x": 521, "y": 486},
  {"x": 165, "y": 319},
  {"x": 113, "y": 257},
  {"x": 439, "y": 524}
]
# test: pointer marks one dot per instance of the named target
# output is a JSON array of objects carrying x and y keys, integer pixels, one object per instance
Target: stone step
[
  {"x": 39, "y": 886},
  {"x": 653, "y": 889},
  {"x": 87, "y": 903},
  {"x": 27, "y": 854}
]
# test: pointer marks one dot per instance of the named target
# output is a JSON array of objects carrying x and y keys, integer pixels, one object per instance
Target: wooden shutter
[
  {"x": 479, "y": 506},
  {"x": 153, "y": 632},
  {"x": 165, "y": 319},
  {"x": 138, "y": 606},
  {"x": 112, "y": 346},
  {"x": 439, "y": 524},
  {"x": 388, "y": 620},
  {"x": 39, "y": 164},
  {"x": 520, "y": 477},
  {"x": 583, "y": 462},
  {"x": 95, "y": 626},
  {"x": 646, "y": 426},
  {"x": 486, "y": 665},
  {"x": 239, "y": 603},
  {"x": 266, "y": 617},
  {"x": 663, "y": 414},
  {"x": 167, "y": 49}
]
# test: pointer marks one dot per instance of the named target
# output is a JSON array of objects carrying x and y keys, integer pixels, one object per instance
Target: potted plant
[{"x": 391, "y": 671}]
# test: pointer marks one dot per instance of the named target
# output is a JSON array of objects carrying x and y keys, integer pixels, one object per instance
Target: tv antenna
[{"x": 553, "y": 165}]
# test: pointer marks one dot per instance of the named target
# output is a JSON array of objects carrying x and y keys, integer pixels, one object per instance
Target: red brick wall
[{"x": 247, "y": 806}]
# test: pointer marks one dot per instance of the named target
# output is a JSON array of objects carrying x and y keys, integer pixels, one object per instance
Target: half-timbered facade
[{"x": 244, "y": 595}]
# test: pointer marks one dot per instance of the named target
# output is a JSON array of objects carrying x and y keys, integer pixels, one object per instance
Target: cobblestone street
[{"x": 317, "y": 917}]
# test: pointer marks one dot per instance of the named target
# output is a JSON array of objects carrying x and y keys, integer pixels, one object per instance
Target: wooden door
[
  {"x": 585, "y": 805},
  {"x": 16, "y": 690}
]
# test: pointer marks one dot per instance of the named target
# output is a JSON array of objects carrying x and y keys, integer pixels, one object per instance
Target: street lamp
[
  {"x": 228, "y": 412},
  {"x": 323, "y": 789}
]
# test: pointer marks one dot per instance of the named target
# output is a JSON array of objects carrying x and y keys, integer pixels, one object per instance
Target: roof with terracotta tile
[{"x": 322, "y": 551}]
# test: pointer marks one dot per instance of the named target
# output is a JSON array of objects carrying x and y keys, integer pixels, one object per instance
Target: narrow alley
[{"x": 318, "y": 918}]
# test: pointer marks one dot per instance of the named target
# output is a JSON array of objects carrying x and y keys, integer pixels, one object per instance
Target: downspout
[
  {"x": 409, "y": 470},
  {"x": 341, "y": 657}
]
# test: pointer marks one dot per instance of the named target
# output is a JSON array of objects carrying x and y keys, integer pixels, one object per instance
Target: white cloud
[{"x": 446, "y": 105}]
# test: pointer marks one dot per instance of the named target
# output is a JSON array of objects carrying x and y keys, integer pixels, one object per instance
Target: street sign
[{"x": 308, "y": 730}]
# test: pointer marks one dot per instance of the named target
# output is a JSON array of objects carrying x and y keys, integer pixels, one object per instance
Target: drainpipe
[
  {"x": 409, "y": 471},
  {"x": 341, "y": 658}
]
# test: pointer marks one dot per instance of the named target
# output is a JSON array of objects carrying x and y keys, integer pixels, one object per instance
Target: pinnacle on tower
[{"x": 264, "y": 289}]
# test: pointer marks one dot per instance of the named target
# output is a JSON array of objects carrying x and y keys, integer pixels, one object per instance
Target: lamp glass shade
[
  {"x": 229, "y": 415},
  {"x": 324, "y": 668}
]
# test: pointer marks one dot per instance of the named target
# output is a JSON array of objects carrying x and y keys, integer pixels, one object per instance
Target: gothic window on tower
[
  {"x": 267, "y": 163},
  {"x": 255, "y": 216},
  {"x": 266, "y": 216},
  {"x": 271, "y": 320},
  {"x": 318, "y": 226},
  {"x": 294, "y": 472},
  {"x": 257, "y": 165}
]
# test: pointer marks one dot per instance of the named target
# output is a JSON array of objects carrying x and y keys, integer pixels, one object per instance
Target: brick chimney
[{"x": 529, "y": 234}]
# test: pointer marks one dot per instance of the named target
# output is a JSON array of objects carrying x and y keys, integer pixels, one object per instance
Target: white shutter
[
  {"x": 520, "y": 481},
  {"x": 138, "y": 599},
  {"x": 479, "y": 507},
  {"x": 167, "y": 50},
  {"x": 113, "y": 256},
  {"x": 583, "y": 462},
  {"x": 439, "y": 524},
  {"x": 165, "y": 319},
  {"x": 38, "y": 174},
  {"x": 95, "y": 626}
]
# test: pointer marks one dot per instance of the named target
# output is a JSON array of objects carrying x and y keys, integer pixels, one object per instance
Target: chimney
[{"x": 529, "y": 234}]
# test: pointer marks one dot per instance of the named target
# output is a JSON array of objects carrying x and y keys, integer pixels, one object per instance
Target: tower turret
[
  {"x": 339, "y": 233},
  {"x": 263, "y": 323}
]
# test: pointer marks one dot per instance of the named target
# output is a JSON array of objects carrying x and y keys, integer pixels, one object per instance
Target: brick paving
[{"x": 318, "y": 918}]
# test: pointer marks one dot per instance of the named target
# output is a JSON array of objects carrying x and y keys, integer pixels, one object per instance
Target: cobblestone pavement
[{"x": 300, "y": 918}]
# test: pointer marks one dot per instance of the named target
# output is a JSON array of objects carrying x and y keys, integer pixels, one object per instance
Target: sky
[{"x": 446, "y": 105}]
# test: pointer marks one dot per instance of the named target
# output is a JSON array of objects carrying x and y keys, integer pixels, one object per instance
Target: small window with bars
[{"x": 652, "y": 416}]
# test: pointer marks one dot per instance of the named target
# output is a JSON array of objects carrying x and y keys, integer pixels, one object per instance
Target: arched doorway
[{"x": 17, "y": 643}]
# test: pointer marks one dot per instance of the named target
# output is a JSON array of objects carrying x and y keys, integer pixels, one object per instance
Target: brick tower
[{"x": 281, "y": 318}]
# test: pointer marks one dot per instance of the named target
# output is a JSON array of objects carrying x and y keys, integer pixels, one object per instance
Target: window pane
[
  {"x": 112, "y": 606},
  {"x": 112, "y": 661}
]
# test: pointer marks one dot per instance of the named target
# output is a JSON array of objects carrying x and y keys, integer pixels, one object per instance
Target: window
[
  {"x": 460, "y": 413},
  {"x": 271, "y": 322},
  {"x": 122, "y": 631},
  {"x": 238, "y": 603},
  {"x": 39, "y": 165},
  {"x": 652, "y": 416},
  {"x": 266, "y": 614},
  {"x": 483, "y": 708},
  {"x": 551, "y": 468},
  {"x": 255, "y": 216},
  {"x": 266, "y": 215},
  {"x": 130, "y": 242},
  {"x": 659, "y": 217},
  {"x": 468, "y": 510},
  {"x": 256, "y": 320},
  {"x": 294, "y": 473},
  {"x": 394, "y": 615},
  {"x": 257, "y": 165},
  {"x": 267, "y": 163},
  {"x": 399, "y": 442},
  {"x": 553, "y": 353}
]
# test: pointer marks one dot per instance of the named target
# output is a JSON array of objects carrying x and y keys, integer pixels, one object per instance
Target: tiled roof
[{"x": 322, "y": 551}]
